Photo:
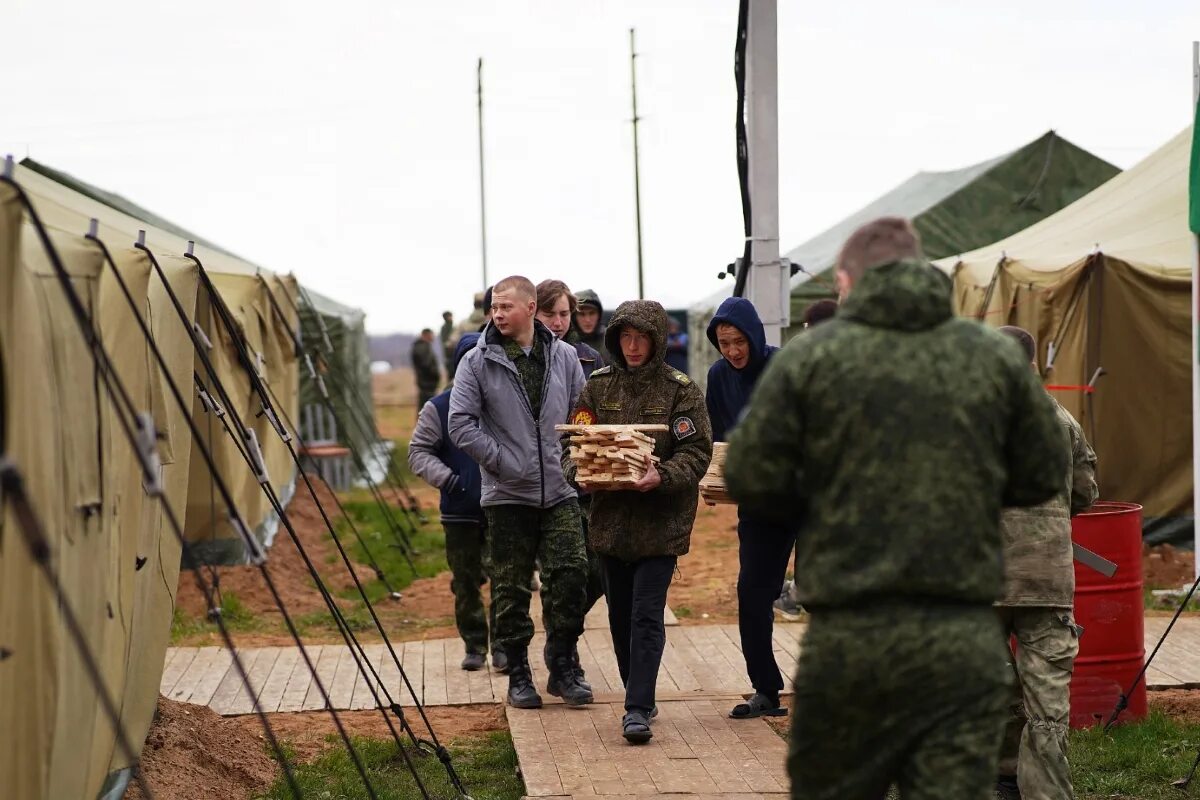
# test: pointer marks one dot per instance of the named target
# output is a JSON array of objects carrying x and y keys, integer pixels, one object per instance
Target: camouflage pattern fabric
[
  {"x": 1038, "y": 562},
  {"x": 895, "y": 433},
  {"x": 1035, "y": 741},
  {"x": 531, "y": 368},
  {"x": 903, "y": 694},
  {"x": 517, "y": 537},
  {"x": 425, "y": 365},
  {"x": 632, "y": 525},
  {"x": 594, "y": 589},
  {"x": 466, "y": 553}
]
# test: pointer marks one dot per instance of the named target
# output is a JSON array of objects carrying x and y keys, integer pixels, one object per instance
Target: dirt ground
[
  {"x": 192, "y": 752},
  {"x": 1164, "y": 567},
  {"x": 395, "y": 388},
  {"x": 705, "y": 591}
]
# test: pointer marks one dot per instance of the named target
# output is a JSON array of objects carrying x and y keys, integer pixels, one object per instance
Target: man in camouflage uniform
[
  {"x": 641, "y": 530},
  {"x": 895, "y": 433},
  {"x": 510, "y": 391},
  {"x": 425, "y": 365},
  {"x": 1035, "y": 607}
]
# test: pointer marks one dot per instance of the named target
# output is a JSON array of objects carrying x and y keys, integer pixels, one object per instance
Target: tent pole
[{"x": 1195, "y": 335}]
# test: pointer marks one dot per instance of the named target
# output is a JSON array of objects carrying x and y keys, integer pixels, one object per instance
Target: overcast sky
[{"x": 338, "y": 141}]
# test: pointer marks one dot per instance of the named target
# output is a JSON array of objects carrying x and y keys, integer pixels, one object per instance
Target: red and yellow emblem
[{"x": 583, "y": 416}]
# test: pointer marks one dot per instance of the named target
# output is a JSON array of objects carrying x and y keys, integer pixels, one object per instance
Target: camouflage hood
[
  {"x": 647, "y": 316},
  {"x": 902, "y": 296}
]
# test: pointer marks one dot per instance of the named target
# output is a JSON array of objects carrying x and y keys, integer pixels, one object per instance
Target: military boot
[
  {"x": 580, "y": 676},
  {"x": 521, "y": 691},
  {"x": 564, "y": 681}
]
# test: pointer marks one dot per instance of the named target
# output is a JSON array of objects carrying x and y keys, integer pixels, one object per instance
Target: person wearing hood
[
  {"x": 895, "y": 433},
  {"x": 433, "y": 458},
  {"x": 641, "y": 529},
  {"x": 510, "y": 390},
  {"x": 764, "y": 547},
  {"x": 589, "y": 322}
]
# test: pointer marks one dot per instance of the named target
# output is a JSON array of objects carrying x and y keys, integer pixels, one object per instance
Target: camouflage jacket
[
  {"x": 894, "y": 434},
  {"x": 1039, "y": 567},
  {"x": 631, "y": 525}
]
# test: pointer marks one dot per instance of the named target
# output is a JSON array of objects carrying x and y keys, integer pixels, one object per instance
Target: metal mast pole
[
  {"x": 768, "y": 282},
  {"x": 482, "y": 196},
  {"x": 1196, "y": 322},
  {"x": 637, "y": 184}
]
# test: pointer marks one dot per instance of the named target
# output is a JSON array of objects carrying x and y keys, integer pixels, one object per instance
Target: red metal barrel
[{"x": 1111, "y": 611}]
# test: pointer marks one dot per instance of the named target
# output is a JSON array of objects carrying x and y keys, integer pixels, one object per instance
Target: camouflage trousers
[
  {"x": 595, "y": 579},
  {"x": 517, "y": 537},
  {"x": 1035, "y": 742},
  {"x": 466, "y": 553},
  {"x": 911, "y": 695}
]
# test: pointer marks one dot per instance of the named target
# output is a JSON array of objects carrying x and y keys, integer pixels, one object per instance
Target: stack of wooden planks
[
  {"x": 607, "y": 456},
  {"x": 712, "y": 485}
]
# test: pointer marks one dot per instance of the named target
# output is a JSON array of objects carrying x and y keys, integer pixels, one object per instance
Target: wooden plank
[
  {"x": 675, "y": 666},
  {"x": 537, "y": 661},
  {"x": 692, "y": 659},
  {"x": 600, "y": 643},
  {"x": 299, "y": 680},
  {"x": 435, "y": 673},
  {"x": 533, "y": 753},
  {"x": 592, "y": 670},
  {"x": 326, "y": 664},
  {"x": 389, "y": 675},
  {"x": 277, "y": 680},
  {"x": 341, "y": 688},
  {"x": 363, "y": 697},
  {"x": 212, "y": 678},
  {"x": 414, "y": 668},
  {"x": 479, "y": 684},
  {"x": 727, "y": 677},
  {"x": 243, "y": 702},
  {"x": 458, "y": 686},
  {"x": 178, "y": 663},
  {"x": 232, "y": 684},
  {"x": 195, "y": 672}
]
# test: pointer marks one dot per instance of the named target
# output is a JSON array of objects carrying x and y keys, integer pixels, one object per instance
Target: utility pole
[
  {"x": 482, "y": 200},
  {"x": 769, "y": 280},
  {"x": 637, "y": 184}
]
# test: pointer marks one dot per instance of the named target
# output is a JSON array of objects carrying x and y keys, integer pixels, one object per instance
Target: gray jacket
[{"x": 490, "y": 420}]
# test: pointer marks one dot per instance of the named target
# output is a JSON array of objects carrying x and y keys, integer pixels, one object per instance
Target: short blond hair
[
  {"x": 879, "y": 242},
  {"x": 516, "y": 283}
]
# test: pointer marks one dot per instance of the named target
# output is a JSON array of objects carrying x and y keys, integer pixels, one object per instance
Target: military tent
[
  {"x": 117, "y": 559},
  {"x": 954, "y": 212},
  {"x": 1105, "y": 285}
]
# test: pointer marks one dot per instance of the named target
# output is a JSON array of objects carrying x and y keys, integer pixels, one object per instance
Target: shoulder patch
[
  {"x": 605, "y": 370},
  {"x": 679, "y": 377},
  {"x": 583, "y": 416},
  {"x": 683, "y": 427}
]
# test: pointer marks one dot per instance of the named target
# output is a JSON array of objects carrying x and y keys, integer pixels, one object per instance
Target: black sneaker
[
  {"x": 564, "y": 682},
  {"x": 521, "y": 691},
  {"x": 473, "y": 662},
  {"x": 635, "y": 726}
]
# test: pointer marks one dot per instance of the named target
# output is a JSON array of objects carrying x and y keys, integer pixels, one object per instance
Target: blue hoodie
[
  {"x": 460, "y": 500},
  {"x": 729, "y": 389}
]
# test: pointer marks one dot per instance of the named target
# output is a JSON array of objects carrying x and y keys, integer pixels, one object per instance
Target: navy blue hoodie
[
  {"x": 461, "y": 504},
  {"x": 729, "y": 389}
]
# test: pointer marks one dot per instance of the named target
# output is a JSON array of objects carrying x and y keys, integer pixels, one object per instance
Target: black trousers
[
  {"x": 637, "y": 595},
  {"x": 764, "y": 550}
]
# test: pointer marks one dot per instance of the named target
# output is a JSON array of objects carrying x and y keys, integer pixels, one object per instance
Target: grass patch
[
  {"x": 1169, "y": 602},
  {"x": 428, "y": 542},
  {"x": 683, "y": 612},
  {"x": 237, "y": 618},
  {"x": 487, "y": 766},
  {"x": 1133, "y": 761}
]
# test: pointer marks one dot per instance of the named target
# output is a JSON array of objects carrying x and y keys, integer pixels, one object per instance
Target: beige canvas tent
[
  {"x": 1105, "y": 285},
  {"x": 118, "y": 561}
]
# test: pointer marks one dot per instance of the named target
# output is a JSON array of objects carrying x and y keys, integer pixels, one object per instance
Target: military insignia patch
[
  {"x": 583, "y": 416},
  {"x": 683, "y": 427}
]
